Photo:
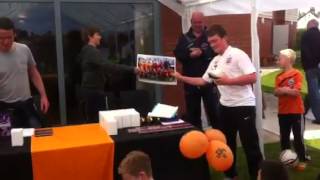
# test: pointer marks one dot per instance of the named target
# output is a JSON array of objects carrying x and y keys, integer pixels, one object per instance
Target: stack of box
[{"x": 113, "y": 120}]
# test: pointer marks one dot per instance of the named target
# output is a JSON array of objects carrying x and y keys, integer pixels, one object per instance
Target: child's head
[
  {"x": 136, "y": 166},
  {"x": 272, "y": 170},
  {"x": 287, "y": 58}
]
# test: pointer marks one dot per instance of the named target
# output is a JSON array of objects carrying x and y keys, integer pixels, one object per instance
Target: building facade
[{"x": 52, "y": 30}]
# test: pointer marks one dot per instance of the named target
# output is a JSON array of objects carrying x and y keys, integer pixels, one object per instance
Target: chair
[
  {"x": 88, "y": 111},
  {"x": 137, "y": 99}
]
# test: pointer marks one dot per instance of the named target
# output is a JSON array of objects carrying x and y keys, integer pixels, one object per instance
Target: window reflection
[
  {"x": 35, "y": 27},
  {"x": 124, "y": 35}
]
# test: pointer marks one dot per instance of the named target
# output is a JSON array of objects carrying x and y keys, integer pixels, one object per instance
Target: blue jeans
[
  {"x": 23, "y": 114},
  {"x": 313, "y": 80}
]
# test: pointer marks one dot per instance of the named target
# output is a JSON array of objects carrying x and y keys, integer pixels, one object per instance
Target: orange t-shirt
[{"x": 290, "y": 104}]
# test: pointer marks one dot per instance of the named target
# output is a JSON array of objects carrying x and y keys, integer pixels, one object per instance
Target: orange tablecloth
[{"x": 82, "y": 152}]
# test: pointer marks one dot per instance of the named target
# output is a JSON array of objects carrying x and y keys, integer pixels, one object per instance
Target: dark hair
[
  {"x": 273, "y": 170},
  {"x": 6, "y": 23},
  {"x": 89, "y": 31},
  {"x": 217, "y": 30}
]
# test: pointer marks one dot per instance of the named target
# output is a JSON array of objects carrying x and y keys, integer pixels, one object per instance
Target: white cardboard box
[
  {"x": 111, "y": 126},
  {"x": 17, "y": 137},
  {"x": 122, "y": 118}
]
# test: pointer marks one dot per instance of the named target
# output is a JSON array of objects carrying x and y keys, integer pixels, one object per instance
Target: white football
[{"x": 288, "y": 157}]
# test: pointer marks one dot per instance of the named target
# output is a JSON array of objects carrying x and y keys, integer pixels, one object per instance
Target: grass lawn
[
  {"x": 268, "y": 82},
  {"x": 272, "y": 151}
]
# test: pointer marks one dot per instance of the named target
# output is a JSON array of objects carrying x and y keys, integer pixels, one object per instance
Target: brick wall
[
  {"x": 265, "y": 32},
  {"x": 171, "y": 30},
  {"x": 292, "y": 34},
  {"x": 279, "y": 17},
  {"x": 237, "y": 27}
]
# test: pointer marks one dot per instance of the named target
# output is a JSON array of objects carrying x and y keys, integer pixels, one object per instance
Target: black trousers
[
  {"x": 210, "y": 97},
  {"x": 288, "y": 122},
  {"x": 242, "y": 119},
  {"x": 92, "y": 102},
  {"x": 23, "y": 114}
]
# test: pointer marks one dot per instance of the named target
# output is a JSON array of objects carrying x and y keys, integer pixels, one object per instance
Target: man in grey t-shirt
[{"x": 16, "y": 67}]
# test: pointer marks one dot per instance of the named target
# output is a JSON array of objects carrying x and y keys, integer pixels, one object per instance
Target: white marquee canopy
[{"x": 220, "y": 7}]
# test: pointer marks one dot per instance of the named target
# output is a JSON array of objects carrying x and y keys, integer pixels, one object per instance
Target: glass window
[
  {"x": 124, "y": 35},
  {"x": 35, "y": 27}
]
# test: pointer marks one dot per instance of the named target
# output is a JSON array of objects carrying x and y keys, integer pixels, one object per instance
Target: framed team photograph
[{"x": 156, "y": 69}]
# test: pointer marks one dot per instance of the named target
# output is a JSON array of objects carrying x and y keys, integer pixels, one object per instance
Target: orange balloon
[
  {"x": 219, "y": 156},
  {"x": 215, "y": 134},
  {"x": 193, "y": 144}
]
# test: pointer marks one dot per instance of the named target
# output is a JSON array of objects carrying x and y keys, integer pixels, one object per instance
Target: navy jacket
[
  {"x": 193, "y": 67},
  {"x": 310, "y": 48}
]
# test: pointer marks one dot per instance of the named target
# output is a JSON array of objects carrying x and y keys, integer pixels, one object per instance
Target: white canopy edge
[
  {"x": 223, "y": 7},
  {"x": 220, "y": 7}
]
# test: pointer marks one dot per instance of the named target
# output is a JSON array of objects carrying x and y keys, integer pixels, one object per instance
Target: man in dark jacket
[
  {"x": 310, "y": 56},
  {"x": 195, "y": 54}
]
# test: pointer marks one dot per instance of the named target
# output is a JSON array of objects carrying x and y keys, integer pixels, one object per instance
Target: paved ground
[{"x": 270, "y": 123}]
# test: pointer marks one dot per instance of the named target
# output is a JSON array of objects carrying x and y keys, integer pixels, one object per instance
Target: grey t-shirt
[{"x": 14, "y": 78}]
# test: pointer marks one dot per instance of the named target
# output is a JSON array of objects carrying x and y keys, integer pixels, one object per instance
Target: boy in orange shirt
[{"x": 291, "y": 108}]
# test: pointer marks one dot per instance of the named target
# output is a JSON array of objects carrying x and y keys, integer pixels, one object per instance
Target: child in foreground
[{"x": 272, "y": 170}]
